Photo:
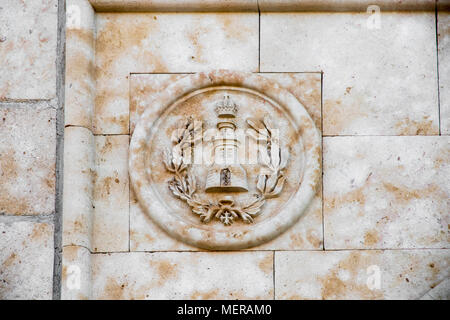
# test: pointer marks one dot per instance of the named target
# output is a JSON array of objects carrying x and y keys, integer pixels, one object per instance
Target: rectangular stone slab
[
  {"x": 27, "y": 158},
  {"x": 111, "y": 194},
  {"x": 164, "y": 42},
  {"x": 28, "y": 49},
  {"x": 26, "y": 260},
  {"x": 183, "y": 275},
  {"x": 386, "y": 192},
  {"x": 379, "y": 79},
  {"x": 359, "y": 274}
]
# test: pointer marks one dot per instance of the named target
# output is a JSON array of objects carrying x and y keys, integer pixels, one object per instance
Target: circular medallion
[{"x": 224, "y": 160}]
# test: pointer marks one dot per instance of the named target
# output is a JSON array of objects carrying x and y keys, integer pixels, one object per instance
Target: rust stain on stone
[
  {"x": 403, "y": 194},
  {"x": 296, "y": 240},
  {"x": 81, "y": 35},
  {"x": 337, "y": 116},
  {"x": 266, "y": 264},
  {"x": 9, "y": 261},
  {"x": 414, "y": 127},
  {"x": 8, "y": 173},
  {"x": 334, "y": 287},
  {"x": 165, "y": 270},
  {"x": 313, "y": 239},
  {"x": 371, "y": 238},
  {"x": 114, "y": 290},
  {"x": 356, "y": 195},
  {"x": 233, "y": 27},
  {"x": 193, "y": 36},
  {"x": 39, "y": 230}
]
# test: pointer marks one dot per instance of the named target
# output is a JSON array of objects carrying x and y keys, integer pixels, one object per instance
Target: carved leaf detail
[
  {"x": 254, "y": 208},
  {"x": 264, "y": 157},
  {"x": 261, "y": 131},
  {"x": 261, "y": 185},
  {"x": 270, "y": 180},
  {"x": 268, "y": 124},
  {"x": 275, "y": 155},
  {"x": 271, "y": 183},
  {"x": 278, "y": 187},
  {"x": 284, "y": 158}
]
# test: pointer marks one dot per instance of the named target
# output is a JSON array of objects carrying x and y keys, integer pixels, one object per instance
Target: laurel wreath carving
[{"x": 270, "y": 181}]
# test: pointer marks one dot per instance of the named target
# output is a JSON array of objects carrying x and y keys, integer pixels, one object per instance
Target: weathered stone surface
[
  {"x": 175, "y": 5},
  {"x": 164, "y": 42},
  {"x": 28, "y": 49},
  {"x": 377, "y": 81},
  {"x": 386, "y": 192},
  {"x": 403, "y": 274},
  {"x": 144, "y": 87},
  {"x": 146, "y": 235},
  {"x": 76, "y": 273},
  {"x": 306, "y": 234},
  {"x": 26, "y": 260},
  {"x": 440, "y": 292},
  {"x": 183, "y": 275},
  {"x": 340, "y": 5},
  {"x": 80, "y": 70},
  {"x": 306, "y": 87},
  {"x": 203, "y": 221},
  {"x": 27, "y": 158},
  {"x": 444, "y": 69},
  {"x": 111, "y": 194},
  {"x": 79, "y": 175}
]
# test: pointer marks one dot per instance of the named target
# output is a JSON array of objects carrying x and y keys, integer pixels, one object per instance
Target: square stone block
[
  {"x": 111, "y": 194},
  {"x": 359, "y": 274},
  {"x": 26, "y": 260},
  {"x": 27, "y": 158},
  {"x": 28, "y": 49},
  {"x": 164, "y": 42},
  {"x": 183, "y": 275},
  {"x": 379, "y": 78},
  {"x": 386, "y": 192},
  {"x": 145, "y": 235}
]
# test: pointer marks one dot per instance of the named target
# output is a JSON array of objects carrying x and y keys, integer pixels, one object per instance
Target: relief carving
[
  {"x": 240, "y": 159},
  {"x": 226, "y": 174}
]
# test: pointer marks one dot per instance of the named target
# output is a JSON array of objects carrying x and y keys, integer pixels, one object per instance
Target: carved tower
[{"x": 226, "y": 174}]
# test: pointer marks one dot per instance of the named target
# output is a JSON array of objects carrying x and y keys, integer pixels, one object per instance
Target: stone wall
[
  {"x": 380, "y": 95},
  {"x": 31, "y": 101}
]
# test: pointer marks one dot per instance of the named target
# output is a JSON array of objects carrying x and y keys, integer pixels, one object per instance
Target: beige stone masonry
[
  {"x": 386, "y": 192},
  {"x": 359, "y": 274},
  {"x": 76, "y": 273},
  {"x": 111, "y": 194},
  {"x": 375, "y": 82},
  {"x": 27, "y": 158},
  {"x": 183, "y": 275},
  {"x": 28, "y": 49},
  {"x": 79, "y": 173},
  {"x": 80, "y": 80},
  {"x": 26, "y": 248},
  {"x": 444, "y": 68}
]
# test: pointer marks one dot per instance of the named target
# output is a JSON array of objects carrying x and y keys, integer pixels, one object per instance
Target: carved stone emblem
[
  {"x": 226, "y": 174},
  {"x": 224, "y": 160}
]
